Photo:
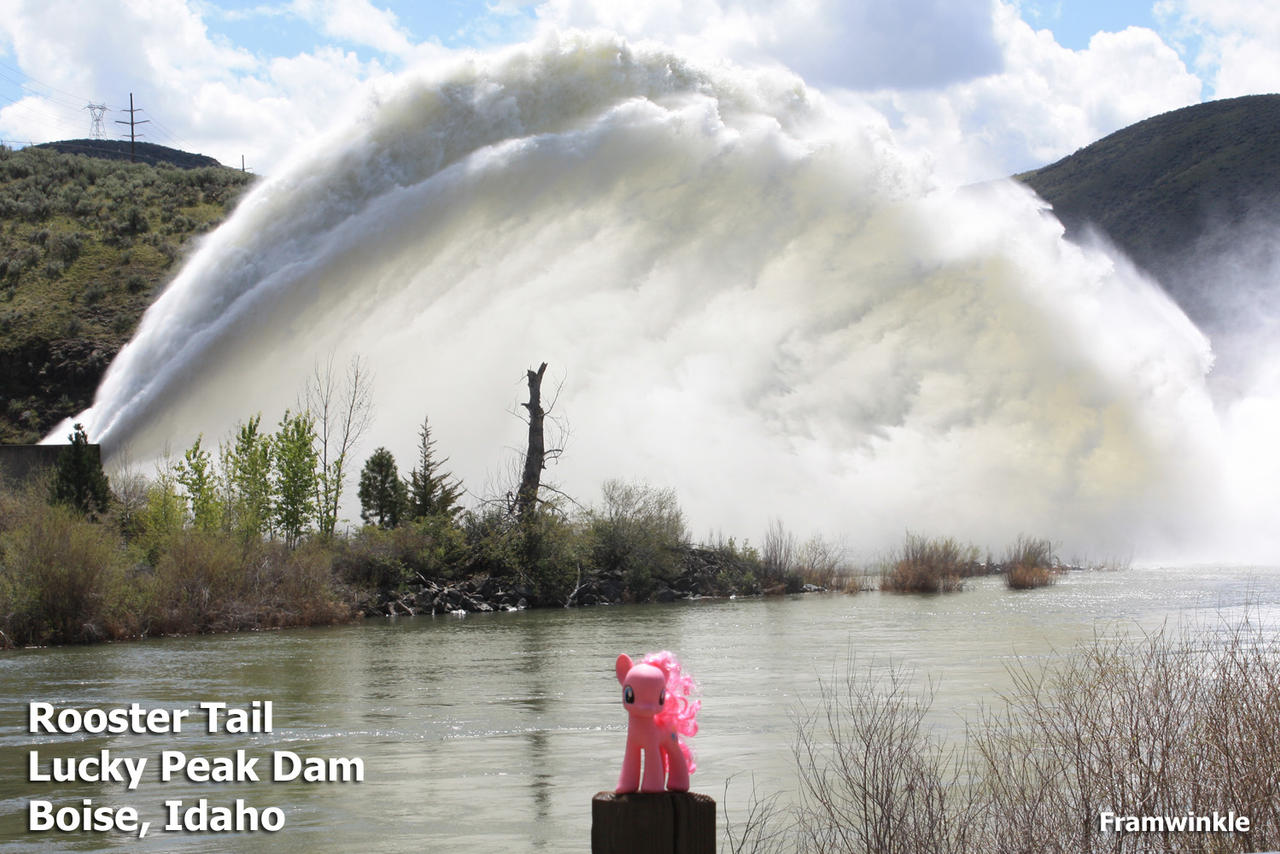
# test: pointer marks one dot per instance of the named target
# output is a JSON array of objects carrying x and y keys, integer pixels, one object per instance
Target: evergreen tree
[
  {"x": 432, "y": 492},
  {"x": 294, "y": 469},
  {"x": 196, "y": 474},
  {"x": 382, "y": 492},
  {"x": 247, "y": 467},
  {"x": 78, "y": 478}
]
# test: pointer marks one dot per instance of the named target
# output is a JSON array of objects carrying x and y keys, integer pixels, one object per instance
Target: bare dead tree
[
  {"x": 343, "y": 413},
  {"x": 535, "y": 458}
]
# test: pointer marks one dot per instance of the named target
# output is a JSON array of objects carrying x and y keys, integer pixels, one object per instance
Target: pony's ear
[{"x": 622, "y": 667}]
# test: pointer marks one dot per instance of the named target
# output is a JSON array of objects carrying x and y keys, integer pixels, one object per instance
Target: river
[{"x": 492, "y": 732}]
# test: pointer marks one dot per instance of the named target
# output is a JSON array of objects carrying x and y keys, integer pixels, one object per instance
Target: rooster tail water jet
[{"x": 748, "y": 294}]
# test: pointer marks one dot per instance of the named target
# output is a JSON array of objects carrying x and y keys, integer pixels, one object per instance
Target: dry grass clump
[
  {"x": 1029, "y": 563},
  {"x": 1166, "y": 724},
  {"x": 929, "y": 565}
]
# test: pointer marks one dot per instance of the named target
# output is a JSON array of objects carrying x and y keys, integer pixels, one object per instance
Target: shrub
[
  {"x": 65, "y": 247},
  {"x": 777, "y": 554},
  {"x": 1165, "y": 724},
  {"x": 62, "y": 578},
  {"x": 201, "y": 584},
  {"x": 1169, "y": 724},
  {"x": 638, "y": 534},
  {"x": 929, "y": 565},
  {"x": 1030, "y": 563},
  {"x": 431, "y": 548},
  {"x": 822, "y": 563},
  {"x": 544, "y": 554},
  {"x": 873, "y": 777},
  {"x": 550, "y": 550},
  {"x": 492, "y": 540},
  {"x": 211, "y": 581}
]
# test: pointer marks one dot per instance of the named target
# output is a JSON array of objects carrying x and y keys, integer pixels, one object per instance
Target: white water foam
[{"x": 743, "y": 292}]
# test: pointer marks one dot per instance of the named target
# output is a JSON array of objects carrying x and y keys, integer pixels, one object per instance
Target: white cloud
[
  {"x": 1045, "y": 103},
  {"x": 357, "y": 22},
  {"x": 969, "y": 82},
  {"x": 1236, "y": 42},
  {"x": 831, "y": 43},
  {"x": 200, "y": 94}
]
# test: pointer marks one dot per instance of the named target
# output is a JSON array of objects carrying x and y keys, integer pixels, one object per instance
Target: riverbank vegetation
[
  {"x": 1178, "y": 725},
  {"x": 236, "y": 538},
  {"x": 941, "y": 565},
  {"x": 246, "y": 535}
]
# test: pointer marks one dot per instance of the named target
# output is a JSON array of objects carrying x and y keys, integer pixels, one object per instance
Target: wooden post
[{"x": 657, "y": 823}]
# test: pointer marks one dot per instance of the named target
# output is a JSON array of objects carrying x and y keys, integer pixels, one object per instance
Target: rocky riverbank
[{"x": 706, "y": 573}]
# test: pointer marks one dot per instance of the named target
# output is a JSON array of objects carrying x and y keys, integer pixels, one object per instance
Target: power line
[
  {"x": 132, "y": 123},
  {"x": 67, "y": 95}
]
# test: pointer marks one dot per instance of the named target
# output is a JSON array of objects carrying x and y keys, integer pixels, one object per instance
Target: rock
[{"x": 665, "y": 594}]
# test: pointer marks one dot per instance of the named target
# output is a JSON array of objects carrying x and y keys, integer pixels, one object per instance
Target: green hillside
[
  {"x": 135, "y": 152},
  {"x": 85, "y": 245},
  {"x": 1157, "y": 188}
]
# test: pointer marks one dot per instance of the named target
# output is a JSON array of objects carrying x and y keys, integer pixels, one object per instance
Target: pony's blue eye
[
  {"x": 628, "y": 694},
  {"x": 662, "y": 696}
]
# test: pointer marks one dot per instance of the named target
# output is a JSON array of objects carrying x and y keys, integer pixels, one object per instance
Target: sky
[{"x": 981, "y": 88}]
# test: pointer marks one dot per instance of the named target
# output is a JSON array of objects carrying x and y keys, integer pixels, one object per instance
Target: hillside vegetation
[
  {"x": 138, "y": 152},
  {"x": 1159, "y": 187},
  {"x": 85, "y": 246}
]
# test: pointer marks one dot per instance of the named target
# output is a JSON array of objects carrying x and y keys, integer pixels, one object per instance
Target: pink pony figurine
[{"x": 655, "y": 694}]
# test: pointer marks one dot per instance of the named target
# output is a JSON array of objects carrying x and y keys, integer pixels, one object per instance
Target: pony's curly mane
[{"x": 680, "y": 712}]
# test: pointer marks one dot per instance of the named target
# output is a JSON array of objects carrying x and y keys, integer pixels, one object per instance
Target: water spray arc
[{"x": 756, "y": 301}]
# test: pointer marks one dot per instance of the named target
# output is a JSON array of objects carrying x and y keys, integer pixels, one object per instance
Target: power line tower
[
  {"x": 132, "y": 123},
  {"x": 96, "y": 111}
]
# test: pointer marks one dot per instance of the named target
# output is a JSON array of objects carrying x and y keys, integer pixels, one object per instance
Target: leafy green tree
[
  {"x": 196, "y": 474},
  {"x": 382, "y": 492},
  {"x": 294, "y": 470},
  {"x": 78, "y": 479},
  {"x": 432, "y": 491},
  {"x": 162, "y": 517},
  {"x": 247, "y": 467}
]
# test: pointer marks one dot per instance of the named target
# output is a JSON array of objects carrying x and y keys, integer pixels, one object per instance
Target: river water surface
[{"x": 492, "y": 732}]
